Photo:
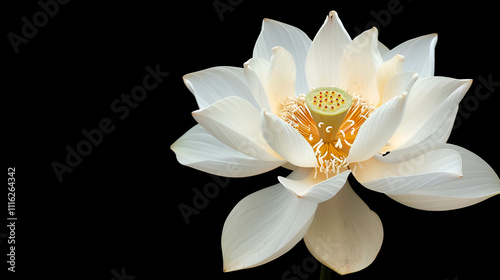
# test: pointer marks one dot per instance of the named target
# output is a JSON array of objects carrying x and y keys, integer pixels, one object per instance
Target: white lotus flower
[{"x": 257, "y": 118}]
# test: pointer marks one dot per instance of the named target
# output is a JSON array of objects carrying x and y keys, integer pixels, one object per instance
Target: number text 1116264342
[{"x": 11, "y": 218}]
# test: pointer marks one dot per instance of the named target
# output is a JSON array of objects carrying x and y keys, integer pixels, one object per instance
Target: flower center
[
  {"x": 328, "y": 107},
  {"x": 329, "y": 125}
]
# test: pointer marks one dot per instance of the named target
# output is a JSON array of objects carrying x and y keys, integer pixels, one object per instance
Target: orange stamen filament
[{"x": 331, "y": 156}]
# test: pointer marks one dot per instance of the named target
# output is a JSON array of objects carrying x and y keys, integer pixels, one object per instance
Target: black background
[{"x": 119, "y": 207}]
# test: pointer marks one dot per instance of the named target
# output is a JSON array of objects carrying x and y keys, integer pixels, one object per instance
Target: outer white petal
[
  {"x": 281, "y": 79},
  {"x": 345, "y": 235},
  {"x": 359, "y": 64},
  {"x": 422, "y": 171},
  {"x": 322, "y": 62},
  {"x": 377, "y": 129},
  {"x": 213, "y": 84},
  {"x": 388, "y": 70},
  {"x": 479, "y": 179},
  {"x": 200, "y": 150},
  {"x": 431, "y": 103},
  {"x": 418, "y": 53},
  {"x": 435, "y": 203},
  {"x": 264, "y": 226},
  {"x": 303, "y": 184},
  {"x": 235, "y": 122},
  {"x": 275, "y": 33},
  {"x": 287, "y": 141},
  {"x": 478, "y": 183}
]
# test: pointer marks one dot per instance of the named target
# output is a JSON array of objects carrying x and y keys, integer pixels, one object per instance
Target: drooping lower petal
[
  {"x": 198, "y": 149},
  {"x": 478, "y": 183},
  {"x": 264, "y": 226},
  {"x": 345, "y": 234}
]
